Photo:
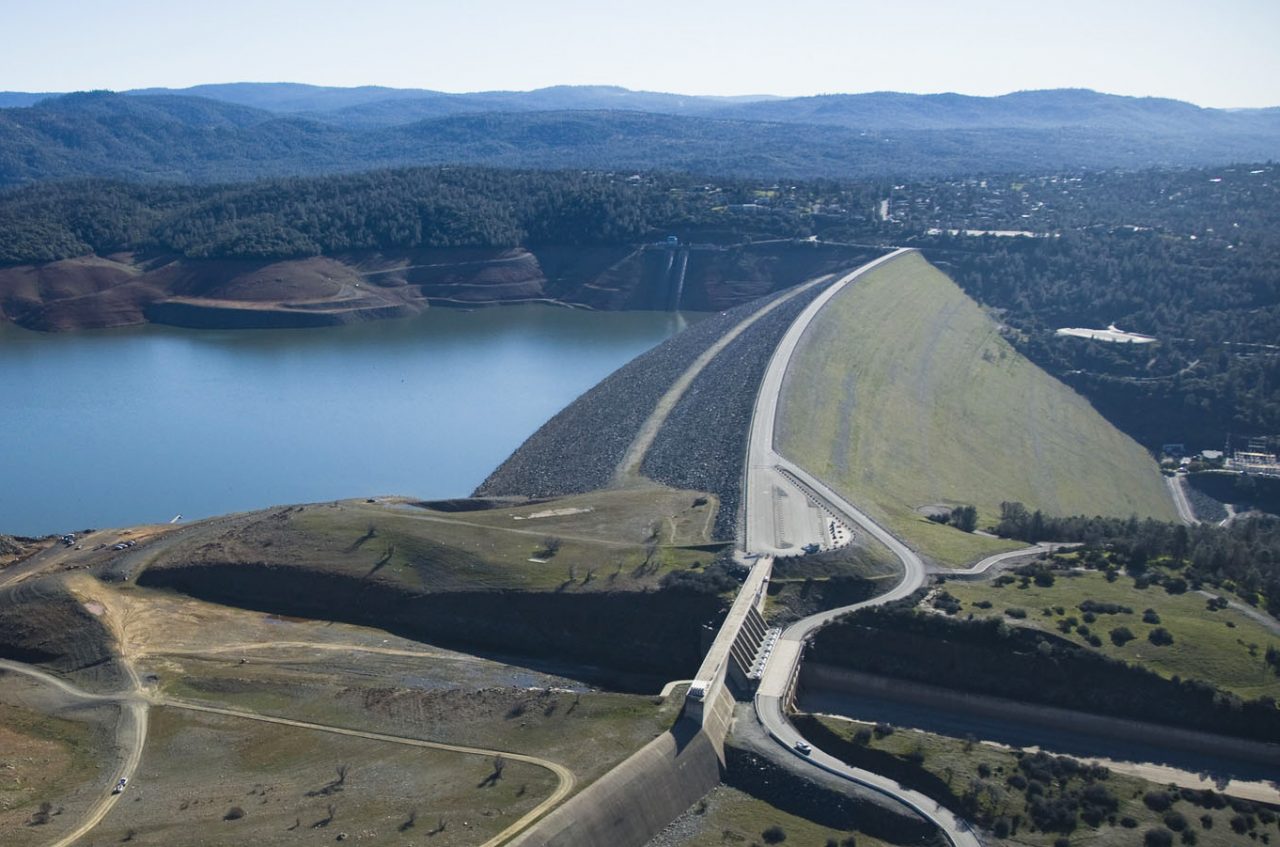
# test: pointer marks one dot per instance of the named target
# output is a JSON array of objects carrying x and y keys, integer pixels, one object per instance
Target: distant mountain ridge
[{"x": 246, "y": 130}]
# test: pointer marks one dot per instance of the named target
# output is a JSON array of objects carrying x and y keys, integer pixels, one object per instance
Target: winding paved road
[{"x": 771, "y": 497}]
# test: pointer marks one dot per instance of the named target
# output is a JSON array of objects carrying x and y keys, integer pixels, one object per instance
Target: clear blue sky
[{"x": 1215, "y": 54}]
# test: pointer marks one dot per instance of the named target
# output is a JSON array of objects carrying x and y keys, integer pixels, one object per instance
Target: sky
[{"x": 1222, "y": 54}]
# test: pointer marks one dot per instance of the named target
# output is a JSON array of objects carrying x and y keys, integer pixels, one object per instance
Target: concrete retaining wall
[{"x": 636, "y": 800}]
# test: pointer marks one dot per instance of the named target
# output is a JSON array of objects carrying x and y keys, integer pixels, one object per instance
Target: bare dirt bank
[{"x": 123, "y": 289}]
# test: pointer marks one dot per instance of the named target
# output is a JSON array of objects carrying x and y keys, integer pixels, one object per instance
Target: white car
[
  {"x": 803, "y": 749},
  {"x": 124, "y": 780}
]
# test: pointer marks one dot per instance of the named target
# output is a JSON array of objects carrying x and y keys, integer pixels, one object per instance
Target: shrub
[
  {"x": 774, "y": 835},
  {"x": 1150, "y": 616},
  {"x": 1157, "y": 801},
  {"x": 1015, "y": 612},
  {"x": 235, "y": 813},
  {"x": 1128, "y": 822},
  {"x": 1160, "y": 637},
  {"x": 1158, "y": 837},
  {"x": 1121, "y": 636},
  {"x": 1099, "y": 607},
  {"x": 1175, "y": 821}
]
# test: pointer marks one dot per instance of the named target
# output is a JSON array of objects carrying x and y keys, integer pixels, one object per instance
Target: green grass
[
  {"x": 48, "y": 759},
  {"x": 601, "y": 548},
  {"x": 903, "y": 394},
  {"x": 730, "y": 817},
  {"x": 196, "y": 767},
  {"x": 957, "y": 762},
  {"x": 588, "y": 732},
  {"x": 1204, "y": 646}
]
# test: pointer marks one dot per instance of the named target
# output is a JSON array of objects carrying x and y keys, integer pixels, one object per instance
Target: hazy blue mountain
[
  {"x": 286, "y": 96},
  {"x": 1022, "y": 110},
  {"x": 380, "y": 106},
  {"x": 165, "y": 136},
  {"x": 13, "y": 99}
]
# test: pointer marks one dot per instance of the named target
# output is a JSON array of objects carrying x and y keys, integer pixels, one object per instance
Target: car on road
[
  {"x": 802, "y": 748},
  {"x": 124, "y": 780}
]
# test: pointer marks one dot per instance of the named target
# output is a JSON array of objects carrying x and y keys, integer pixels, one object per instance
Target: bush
[
  {"x": 1157, "y": 801},
  {"x": 1099, "y": 607},
  {"x": 1121, "y": 636},
  {"x": 1175, "y": 821},
  {"x": 235, "y": 813},
  {"x": 1160, "y": 637},
  {"x": 1150, "y": 616},
  {"x": 774, "y": 835},
  {"x": 1128, "y": 822},
  {"x": 1016, "y": 613},
  {"x": 1158, "y": 837}
]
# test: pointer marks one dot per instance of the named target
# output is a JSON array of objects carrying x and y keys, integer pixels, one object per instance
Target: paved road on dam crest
[{"x": 786, "y": 508}]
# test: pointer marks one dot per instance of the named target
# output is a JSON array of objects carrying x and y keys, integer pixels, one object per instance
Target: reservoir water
[{"x": 127, "y": 426}]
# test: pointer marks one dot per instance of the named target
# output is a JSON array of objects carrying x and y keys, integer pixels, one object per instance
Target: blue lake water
[{"x": 127, "y": 426}]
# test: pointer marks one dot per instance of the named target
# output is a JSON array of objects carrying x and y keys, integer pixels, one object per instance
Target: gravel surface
[
  {"x": 579, "y": 449},
  {"x": 703, "y": 444}
]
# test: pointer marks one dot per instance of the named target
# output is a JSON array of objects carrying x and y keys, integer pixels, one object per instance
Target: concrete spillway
[{"x": 634, "y": 801}]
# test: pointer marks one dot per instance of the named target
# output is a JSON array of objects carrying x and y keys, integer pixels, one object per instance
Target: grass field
[
  {"x": 603, "y": 541},
  {"x": 964, "y": 765},
  {"x": 198, "y": 768},
  {"x": 1223, "y": 647},
  {"x": 728, "y": 816},
  {"x": 903, "y": 394},
  {"x": 46, "y": 759}
]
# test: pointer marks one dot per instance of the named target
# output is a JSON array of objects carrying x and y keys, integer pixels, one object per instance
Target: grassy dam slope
[{"x": 903, "y": 395}]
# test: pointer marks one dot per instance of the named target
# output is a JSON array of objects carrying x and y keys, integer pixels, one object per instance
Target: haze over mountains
[{"x": 246, "y": 130}]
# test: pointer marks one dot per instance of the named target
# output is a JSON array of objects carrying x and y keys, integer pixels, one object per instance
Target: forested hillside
[{"x": 426, "y": 207}]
